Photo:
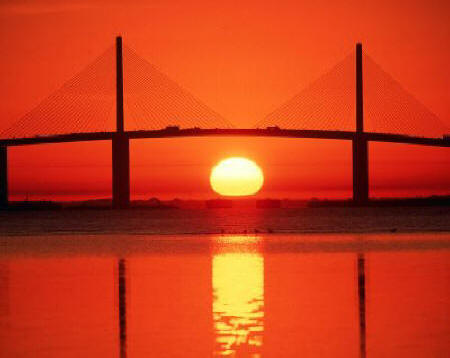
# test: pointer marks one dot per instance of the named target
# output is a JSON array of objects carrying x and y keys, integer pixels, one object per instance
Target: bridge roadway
[{"x": 247, "y": 132}]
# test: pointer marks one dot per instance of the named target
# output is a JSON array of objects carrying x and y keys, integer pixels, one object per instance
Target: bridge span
[
  {"x": 121, "y": 138},
  {"x": 121, "y": 150},
  {"x": 176, "y": 132}
]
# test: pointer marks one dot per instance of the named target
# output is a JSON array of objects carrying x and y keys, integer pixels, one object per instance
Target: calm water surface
[
  {"x": 284, "y": 295},
  {"x": 230, "y": 221}
]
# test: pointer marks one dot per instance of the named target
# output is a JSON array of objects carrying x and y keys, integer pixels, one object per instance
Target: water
[
  {"x": 233, "y": 221},
  {"x": 265, "y": 295}
]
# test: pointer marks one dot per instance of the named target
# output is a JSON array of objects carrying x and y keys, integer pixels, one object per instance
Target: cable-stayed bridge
[{"x": 346, "y": 103}]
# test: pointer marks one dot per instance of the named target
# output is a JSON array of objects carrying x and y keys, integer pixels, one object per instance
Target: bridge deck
[{"x": 249, "y": 132}]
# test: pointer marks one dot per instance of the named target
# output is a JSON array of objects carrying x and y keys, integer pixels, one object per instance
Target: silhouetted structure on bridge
[
  {"x": 174, "y": 103},
  {"x": 121, "y": 166},
  {"x": 120, "y": 142},
  {"x": 359, "y": 147}
]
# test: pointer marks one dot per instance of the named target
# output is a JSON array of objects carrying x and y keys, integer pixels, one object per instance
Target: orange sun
[{"x": 236, "y": 176}]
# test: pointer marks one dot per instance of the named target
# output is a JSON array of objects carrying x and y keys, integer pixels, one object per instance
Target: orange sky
[{"x": 241, "y": 59}]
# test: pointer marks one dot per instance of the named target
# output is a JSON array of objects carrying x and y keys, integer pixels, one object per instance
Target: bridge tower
[
  {"x": 359, "y": 143},
  {"x": 3, "y": 176},
  {"x": 120, "y": 142}
]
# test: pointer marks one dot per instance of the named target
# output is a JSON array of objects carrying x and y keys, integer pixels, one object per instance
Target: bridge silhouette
[{"x": 332, "y": 107}]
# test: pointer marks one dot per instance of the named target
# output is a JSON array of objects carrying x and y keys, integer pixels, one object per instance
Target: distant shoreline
[{"x": 154, "y": 203}]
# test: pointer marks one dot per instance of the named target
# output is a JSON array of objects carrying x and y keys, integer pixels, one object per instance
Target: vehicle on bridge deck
[
  {"x": 171, "y": 129},
  {"x": 273, "y": 128}
]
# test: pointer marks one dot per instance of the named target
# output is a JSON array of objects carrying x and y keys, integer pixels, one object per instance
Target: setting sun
[{"x": 236, "y": 177}]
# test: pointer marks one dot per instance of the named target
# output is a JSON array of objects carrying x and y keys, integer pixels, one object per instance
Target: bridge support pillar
[
  {"x": 121, "y": 170},
  {"x": 360, "y": 145},
  {"x": 360, "y": 170},
  {"x": 3, "y": 176},
  {"x": 120, "y": 142}
]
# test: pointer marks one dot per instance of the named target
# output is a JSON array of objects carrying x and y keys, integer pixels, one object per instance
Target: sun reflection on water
[{"x": 238, "y": 301}]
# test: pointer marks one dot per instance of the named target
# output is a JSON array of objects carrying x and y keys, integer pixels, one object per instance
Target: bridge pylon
[
  {"x": 120, "y": 142},
  {"x": 3, "y": 176},
  {"x": 359, "y": 143}
]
